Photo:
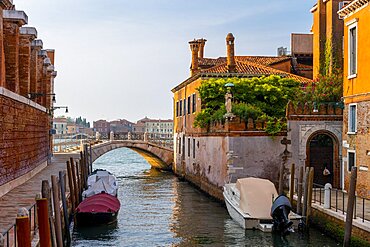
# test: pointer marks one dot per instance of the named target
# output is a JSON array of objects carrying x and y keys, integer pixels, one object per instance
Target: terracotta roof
[
  {"x": 252, "y": 68},
  {"x": 205, "y": 63},
  {"x": 264, "y": 60}
]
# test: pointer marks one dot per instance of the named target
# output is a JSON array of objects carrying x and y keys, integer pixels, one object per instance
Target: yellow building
[
  {"x": 356, "y": 93},
  {"x": 327, "y": 32}
]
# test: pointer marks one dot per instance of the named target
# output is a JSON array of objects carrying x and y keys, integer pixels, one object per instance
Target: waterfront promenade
[{"x": 25, "y": 194}]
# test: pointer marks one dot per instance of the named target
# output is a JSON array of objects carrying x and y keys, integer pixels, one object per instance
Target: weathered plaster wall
[{"x": 256, "y": 156}]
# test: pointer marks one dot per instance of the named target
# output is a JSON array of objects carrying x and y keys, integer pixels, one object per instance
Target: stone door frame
[{"x": 336, "y": 152}]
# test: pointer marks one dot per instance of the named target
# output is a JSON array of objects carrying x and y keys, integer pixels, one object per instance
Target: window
[
  {"x": 352, "y": 119},
  {"x": 189, "y": 105},
  {"x": 177, "y": 109},
  {"x": 180, "y": 145},
  {"x": 184, "y": 106},
  {"x": 352, "y": 50},
  {"x": 188, "y": 147},
  {"x": 193, "y": 148},
  {"x": 351, "y": 159},
  {"x": 194, "y": 103},
  {"x": 180, "y": 108},
  {"x": 183, "y": 146}
]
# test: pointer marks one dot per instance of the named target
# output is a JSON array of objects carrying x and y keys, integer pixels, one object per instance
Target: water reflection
[{"x": 157, "y": 209}]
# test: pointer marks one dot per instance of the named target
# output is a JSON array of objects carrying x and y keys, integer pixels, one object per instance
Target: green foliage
[
  {"x": 327, "y": 88},
  {"x": 245, "y": 111},
  {"x": 254, "y": 98}
]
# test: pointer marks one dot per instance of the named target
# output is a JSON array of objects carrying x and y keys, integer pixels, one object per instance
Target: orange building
[
  {"x": 356, "y": 93},
  {"x": 327, "y": 32}
]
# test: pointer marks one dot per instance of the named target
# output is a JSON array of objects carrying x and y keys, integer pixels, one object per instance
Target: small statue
[{"x": 228, "y": 101}]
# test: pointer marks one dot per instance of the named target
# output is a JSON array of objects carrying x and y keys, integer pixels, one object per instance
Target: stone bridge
[{"x": 157, "y": 156}]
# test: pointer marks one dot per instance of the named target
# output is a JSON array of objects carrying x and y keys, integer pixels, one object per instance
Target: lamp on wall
[
  {"x": 51, "y": 110},
  {"x": 35, "y": 95}
]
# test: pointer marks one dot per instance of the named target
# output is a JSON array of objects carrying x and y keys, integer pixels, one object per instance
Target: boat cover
[
  {"x": 256, "y": 196},
  {"x": 101, "y": 203},
  {"x": 100, "y": 182}
]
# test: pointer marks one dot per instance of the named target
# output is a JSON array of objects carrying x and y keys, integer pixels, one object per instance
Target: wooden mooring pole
[
  {"x": 75, "y": 185},
  {"x": 350, "y": 207},
  {"x": 309, "y": 196},
  {"x": 46, "y": 193},
  {"x": 71, "y": 188},
  {"x": 57, "y": 213},
  {"x": 305, "y": 192},
  {"x": 43, "y": 222},
  {"x": 281, "y": 179},
  {"x": 291, "y": 191},
  {"x": 299, "y": 192},
  {"x": 23, "y": 226},
  {"x": 62, "y": 179}
]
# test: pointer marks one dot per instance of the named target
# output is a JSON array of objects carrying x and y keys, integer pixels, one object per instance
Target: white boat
[
  {"x": 100, "y": 181},
  {"x": 249, "y": 202}
]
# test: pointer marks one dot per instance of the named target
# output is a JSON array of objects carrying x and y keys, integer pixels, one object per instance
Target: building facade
[
  {"x": 60, "y": 126},
  {"x": 26, "y": 87},
  {"x": 327, "y": 32},
  {"x": 102, "y": 126},
  {"x": 159, "y": 129},
  {"x": 356, "y": 93},
  {"x": 206, "y": 157}
]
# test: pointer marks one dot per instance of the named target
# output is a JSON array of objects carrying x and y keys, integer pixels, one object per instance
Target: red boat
[{"x": 98, "y": 210}]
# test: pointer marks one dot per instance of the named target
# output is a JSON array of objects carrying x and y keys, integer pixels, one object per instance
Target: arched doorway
[{"x": 322, "y": 154}]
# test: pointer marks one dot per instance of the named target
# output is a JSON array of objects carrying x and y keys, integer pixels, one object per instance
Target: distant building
[
  {"x": 121, "y": 126},
  {"x": 158, "y": 128},
  {"x": 60, "y": 126},
  {"x": 101, "y": 126},
  {"x": 302, "y": 54},
  {"x": 72, "y": 128}
]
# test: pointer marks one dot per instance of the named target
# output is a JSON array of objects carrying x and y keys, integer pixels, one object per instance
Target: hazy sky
[{"x": 121, "y": 58}]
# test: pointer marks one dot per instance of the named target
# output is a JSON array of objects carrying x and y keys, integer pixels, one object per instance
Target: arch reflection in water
[{"x": 157, "y": 209}]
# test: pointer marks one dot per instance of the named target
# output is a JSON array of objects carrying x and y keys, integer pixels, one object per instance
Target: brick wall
[
  {"x": 24, "y": 137},
  {"x": 360, "y": 144}
]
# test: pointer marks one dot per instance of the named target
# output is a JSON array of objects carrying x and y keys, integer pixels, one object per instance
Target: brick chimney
[
  {"x": 202, "y": 43},
  {"x": 36, "y": 47},
  {"x": 40, "y": 86},
  {"x": 13, "y": 20},
  {"x": 194, "y": 47},
  {"x": 4, "y": 4},
  {"x": 230, "y": 53},
  {"x": 27, "y": 35}
]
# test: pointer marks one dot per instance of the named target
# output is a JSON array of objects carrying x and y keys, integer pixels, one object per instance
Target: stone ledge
[
  {"x": 37, "y": 43},
  {"x": 31, "y": 31},
  {"x": 5, "y": 188},
  {"x": 43, "y": 53},
  {"x": 7, "y": 93},
  {"x": 16, "y": 15}
]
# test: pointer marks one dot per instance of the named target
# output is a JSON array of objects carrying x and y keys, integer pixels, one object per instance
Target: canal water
[{"x": 158, "y": 209}]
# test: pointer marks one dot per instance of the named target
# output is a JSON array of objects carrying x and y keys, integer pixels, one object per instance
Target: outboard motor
[{"x": 279, "y": 212}]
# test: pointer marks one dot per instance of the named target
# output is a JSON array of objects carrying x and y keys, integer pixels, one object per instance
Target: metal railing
[
  {"x": 10, "y": 235},
  {"x": 338, "y": 201}
]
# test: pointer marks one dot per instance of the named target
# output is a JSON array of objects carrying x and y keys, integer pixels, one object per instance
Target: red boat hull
[{"x": 98, "y": 209}]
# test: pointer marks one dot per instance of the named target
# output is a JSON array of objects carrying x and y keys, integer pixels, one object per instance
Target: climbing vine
[{"x": 262, "y": 98}]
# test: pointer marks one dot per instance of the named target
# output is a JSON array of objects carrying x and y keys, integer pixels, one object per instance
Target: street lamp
[
  {"x": 32, "y": 96},
  {"x": 58, "y": 107}
]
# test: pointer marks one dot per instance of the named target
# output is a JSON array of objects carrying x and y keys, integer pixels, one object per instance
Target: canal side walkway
[{"x": 24, "y": 195}]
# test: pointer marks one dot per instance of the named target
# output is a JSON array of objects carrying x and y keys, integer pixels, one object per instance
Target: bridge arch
[{"x": 157, "y": 156}]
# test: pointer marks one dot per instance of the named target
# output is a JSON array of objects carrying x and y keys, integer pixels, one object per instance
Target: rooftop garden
[{"x": 262, "y": 98}]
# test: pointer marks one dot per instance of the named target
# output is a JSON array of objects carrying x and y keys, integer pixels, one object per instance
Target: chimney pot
[
  {"x": 202, "y": 43},
  {"x": 230, "y": 53},
  {"x": 194, "y": 47}
]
